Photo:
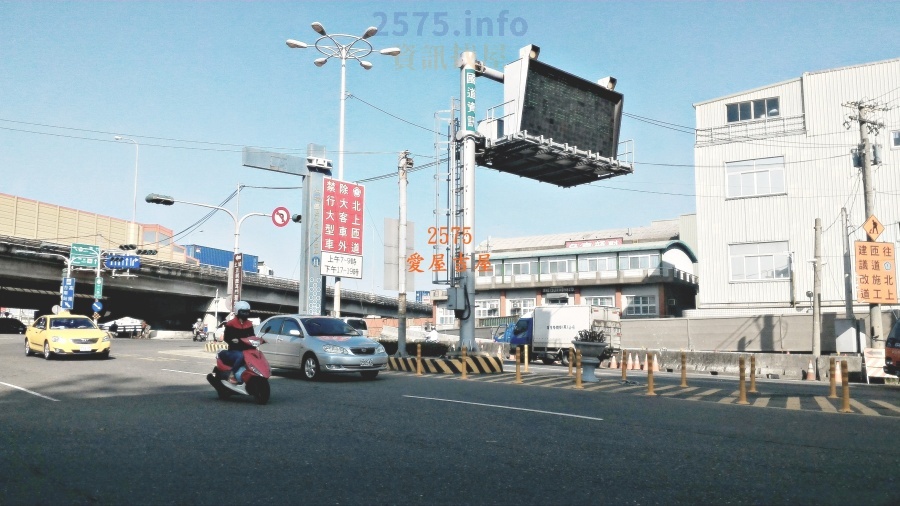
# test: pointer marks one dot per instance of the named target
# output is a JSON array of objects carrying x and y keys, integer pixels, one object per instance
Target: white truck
[{"x": 549, "y": 330}]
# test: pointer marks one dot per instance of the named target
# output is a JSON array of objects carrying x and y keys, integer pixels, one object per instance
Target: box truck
[{"x": 550, "y": 330}]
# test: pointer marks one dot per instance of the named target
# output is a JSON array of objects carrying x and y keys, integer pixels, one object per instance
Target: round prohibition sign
[{"x": 280, "y": 216}]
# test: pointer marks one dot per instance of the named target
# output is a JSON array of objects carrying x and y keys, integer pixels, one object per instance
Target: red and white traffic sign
[{"x": 280, "y": 216}]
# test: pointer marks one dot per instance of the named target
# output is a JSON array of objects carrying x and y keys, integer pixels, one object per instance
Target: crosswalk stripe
[
  {"x": 683, "y": 390},
  {"x": 704, "y": 394},
  {"x": 668, "y": 387},
  {"x": 793, "y": 403},
  {"x": 866, "y": 410},
  {"x": 542, "y": 381},
  {"x": 887, "y": 405},
  {"x": 727, "y": 400},
  {"x": 761, "y": 402},
  {"x": 498, "y": 378},
  {"x": 596, "y": 387},
  {"x": 825, "y": 405},
  {"x": 557, "y": 383},
  {"x": 623, "y": 389}
]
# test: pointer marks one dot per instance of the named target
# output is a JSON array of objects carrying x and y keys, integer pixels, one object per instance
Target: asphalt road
[{"x": 145, "y": 428}]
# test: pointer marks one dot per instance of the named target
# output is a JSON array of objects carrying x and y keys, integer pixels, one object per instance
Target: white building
[{"x": 771, "y": 160}]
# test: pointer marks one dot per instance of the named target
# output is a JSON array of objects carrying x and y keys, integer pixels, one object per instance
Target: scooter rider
[
  {"x": 197, "y": 327},
  {"x": 236, "y": 329}
]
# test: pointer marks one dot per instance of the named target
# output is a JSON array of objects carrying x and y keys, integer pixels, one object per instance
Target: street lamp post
[
  {"x": 345, "y": 47},
  {"x": 155, "y": 198},
  {"x": 132, "y": 233}
]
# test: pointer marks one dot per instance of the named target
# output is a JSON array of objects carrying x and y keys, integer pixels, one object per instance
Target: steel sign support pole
[{"x": 468, "y": 132}]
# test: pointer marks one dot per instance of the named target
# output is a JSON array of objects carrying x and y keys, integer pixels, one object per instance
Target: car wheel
[
  {"x": 27, "y": 348},
  {"x": 548, "y": 360},
  {"x": 310, "y": 367},
  {"x": 104, "y": 355},
  {"x": 369, "y": 375},
  {"x": 564, "y": 358},
  {"x": 47, "y": 353}
]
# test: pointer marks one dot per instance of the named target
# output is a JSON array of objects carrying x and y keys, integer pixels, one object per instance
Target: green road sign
[
  {"x": 98, "y": 288},
  {"x": 84, "y": 255}
]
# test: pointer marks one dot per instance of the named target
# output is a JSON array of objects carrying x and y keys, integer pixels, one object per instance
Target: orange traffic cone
[
  {"x": 630, "y": 364},
  {"x": 655, "y": 363},
  {"x": 612, "y": 363},
  {"x": 837, "y": 373},
  {"x": 810, "y": 372},
  {"x": 636, "y": 364}
]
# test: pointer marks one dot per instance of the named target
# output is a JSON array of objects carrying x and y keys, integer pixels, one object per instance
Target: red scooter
[{"x": 254, "y": 379}]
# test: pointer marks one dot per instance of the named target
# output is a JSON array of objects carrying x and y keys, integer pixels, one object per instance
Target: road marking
[
  {"x": 761, "y": 402},
  {"x": 887, "y": 405},
  {"x": 623, "y": 389},
  {"x": 685, "y": 390},
  {"x": 185, "y": 372},
  {"x": 660, "y": 389},
  {"x": 866, "y": 410},
  {"x": 541, "y": 381},
  {"x": 30, "y": 392},
  {"x": 824, "y": 404},
  {"x": 727, "y": 400},
  {"x": 793, "y": 403},
  {"x": 557, "y": 383},
  {"x": 704, "y": 394},
  {"x": 504, "y": 407}
]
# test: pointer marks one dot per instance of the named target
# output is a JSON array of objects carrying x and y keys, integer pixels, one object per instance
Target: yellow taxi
[{"x": 66, "y": 334}]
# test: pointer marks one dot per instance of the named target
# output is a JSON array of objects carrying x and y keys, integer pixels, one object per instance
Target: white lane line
[
  {"x": 503, "y": 407},
  {"x": 185, "y": 372},
  {"x": 30, "y": 392}
]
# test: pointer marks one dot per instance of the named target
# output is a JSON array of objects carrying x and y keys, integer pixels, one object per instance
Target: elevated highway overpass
[{"x": 168, "y": 295}]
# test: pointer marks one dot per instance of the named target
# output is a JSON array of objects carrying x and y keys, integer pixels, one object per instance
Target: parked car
[
  {"x": 320, "y": 344},
  {"x": 11, "y": 326},
  {"x": 66, "y": 334},
  {"x": 892, "y": 351}
]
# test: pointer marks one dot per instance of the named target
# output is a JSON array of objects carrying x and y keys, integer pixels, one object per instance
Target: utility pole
[
  {"x": 848, "y": 269},
  {"x": 817, "y": 293},
  {"x": 866, "y": 126},
  {"x": 403, "y": 165}
]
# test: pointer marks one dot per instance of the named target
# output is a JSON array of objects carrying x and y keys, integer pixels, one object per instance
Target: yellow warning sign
[
  {"x": 876, "y": 272},
  {"x": 873, "y": 228}
]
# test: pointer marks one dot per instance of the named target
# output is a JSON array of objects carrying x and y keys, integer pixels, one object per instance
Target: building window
[
  {"x": 895, "y": 139},
  {"x": 763, "y": 176},
  {"x": 445, "y": 317},
  {"x": 518, "y": 307},
  {"x": 647, "y": 261},
  {"x": 596, "y": 264},
  {"x": 752, "y": 109},
  {"x": 555, "y": 266},
  {"x": 495, "y": 268},
  {"x": 600, "y": 301},
  {"x": 486, "y": 308},
  {"x": 521, "y": 268},
  {"x": 759, "y": 261},
  {"x": 640, "y": 305}
]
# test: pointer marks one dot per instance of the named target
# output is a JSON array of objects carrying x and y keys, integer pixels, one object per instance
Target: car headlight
[
  {"x": 106, "y": 339},
  {"x": 56, "y": 339},
  {"x": 379, "y": 349},
  {"x": 339, "y": 350}
]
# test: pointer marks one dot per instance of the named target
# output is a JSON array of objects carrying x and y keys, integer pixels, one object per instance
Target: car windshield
[
  {"x": 327, "y": 327},
  {"x": 71, "y": 323}
]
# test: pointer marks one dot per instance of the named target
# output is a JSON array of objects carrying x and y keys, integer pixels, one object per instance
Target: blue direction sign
[
  {"x": 122, "y": 262},
  {"x": 67, "y": 301},
  {"x": 97, "y": 306}
]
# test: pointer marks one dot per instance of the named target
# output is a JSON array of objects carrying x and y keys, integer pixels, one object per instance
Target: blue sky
[{"x": 193, "y": 82}]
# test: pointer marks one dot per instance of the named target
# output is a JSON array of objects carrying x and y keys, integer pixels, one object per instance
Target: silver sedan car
[{"x": 320, "y": 344}]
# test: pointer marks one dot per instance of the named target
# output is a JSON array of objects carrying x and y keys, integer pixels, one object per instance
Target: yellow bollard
[
  {"x": 578, "y": 371},
  {"x": 419, "y": 359},
  {"x": 845, "y": 381},
  {"x": 683, "y": 370},
  {"x": 753, "y": 375},
  {"x": 464, "y": 365},
  {"x": 526, "y": 358},
  {"x": 624, "y": 367},
  {"x": 518, "y": 366},
  {"x": 650, "y": 374},
  {"x": 571, "y": 359},
  {"x": 742, "y": 389},
  {"x": 833, "y": 389}
]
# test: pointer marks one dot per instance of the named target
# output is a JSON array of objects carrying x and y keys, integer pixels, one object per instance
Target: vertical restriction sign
[
  {"x": 237, "y": 278},
  {"x": 342, "y": 229},
  {"x": 876, "y": 273}
]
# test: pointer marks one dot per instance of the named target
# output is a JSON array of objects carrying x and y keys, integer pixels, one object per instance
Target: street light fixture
[
  {"x": 345, "y": 47},
  {"x": 132, "y": 233}
]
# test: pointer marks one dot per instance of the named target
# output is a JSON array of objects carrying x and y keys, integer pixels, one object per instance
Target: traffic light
[
  {"x": 127, "y": 247},
  {"x": 146, "y": 252},
  {"x": 155, "y": 198}
]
